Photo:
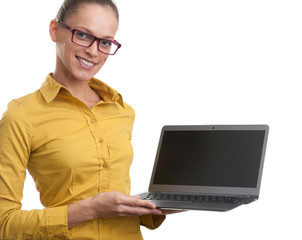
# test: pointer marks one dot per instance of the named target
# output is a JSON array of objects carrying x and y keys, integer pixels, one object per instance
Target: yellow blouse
[{"x": 72, "y": 152}]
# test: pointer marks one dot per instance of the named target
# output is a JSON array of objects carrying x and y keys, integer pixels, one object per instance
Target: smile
[{"x": 85, "y": 62}]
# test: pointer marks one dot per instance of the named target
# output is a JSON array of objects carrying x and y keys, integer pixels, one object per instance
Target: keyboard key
[{"x": 193, "y": 198}]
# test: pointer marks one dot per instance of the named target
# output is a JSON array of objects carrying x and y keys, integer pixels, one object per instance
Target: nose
[{"x": 93, "y": 49}]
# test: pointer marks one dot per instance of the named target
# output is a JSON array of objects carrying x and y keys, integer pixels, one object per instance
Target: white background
[{"x": 189, "y": 62}]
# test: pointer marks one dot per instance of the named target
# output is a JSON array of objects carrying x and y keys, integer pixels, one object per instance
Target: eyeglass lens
[{"x": 85, "y": 40}]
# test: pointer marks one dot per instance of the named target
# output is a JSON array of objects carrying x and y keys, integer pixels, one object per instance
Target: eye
[
  {"x": 105, "y": 43},
  {"x": 82, "y": 36}
]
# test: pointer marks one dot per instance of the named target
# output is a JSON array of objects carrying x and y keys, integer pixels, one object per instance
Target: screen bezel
[{"x": 205, "y": 189}]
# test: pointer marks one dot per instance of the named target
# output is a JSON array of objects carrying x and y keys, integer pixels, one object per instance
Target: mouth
[{"x": 85, "y": 63}]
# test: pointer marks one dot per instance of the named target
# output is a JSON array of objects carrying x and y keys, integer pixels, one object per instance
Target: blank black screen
[{"x": 210, "y": 158}]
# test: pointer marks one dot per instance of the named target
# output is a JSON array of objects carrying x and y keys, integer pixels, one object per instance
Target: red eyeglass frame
[{"x": 73, "y": 30}]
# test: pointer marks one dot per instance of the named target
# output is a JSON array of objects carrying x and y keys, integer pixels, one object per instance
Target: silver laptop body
[{"x": 215, "y": 168}]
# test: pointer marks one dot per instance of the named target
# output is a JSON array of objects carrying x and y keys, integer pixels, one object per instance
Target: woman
[{"x": 73, "y": 135}]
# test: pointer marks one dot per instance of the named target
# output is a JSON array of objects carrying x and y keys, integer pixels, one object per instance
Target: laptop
[{"x": 215, "y": 168}]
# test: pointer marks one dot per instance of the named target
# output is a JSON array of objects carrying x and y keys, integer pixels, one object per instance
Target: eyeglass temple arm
[{"x": 64, "y": 25}]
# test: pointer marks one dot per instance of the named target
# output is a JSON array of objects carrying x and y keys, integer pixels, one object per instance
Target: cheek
[
  {"x": 62, "y": 51},
  {"x": 104, "y": 58},
  {"x": 66, "y": 53}
]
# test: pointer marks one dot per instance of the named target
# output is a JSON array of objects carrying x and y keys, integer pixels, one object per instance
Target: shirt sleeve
[
  {"x": 15, "y": 147},
  {"x": 152, "y": 221}
]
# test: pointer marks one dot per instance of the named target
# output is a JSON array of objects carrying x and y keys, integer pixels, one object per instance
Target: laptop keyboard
[{"x": 193, "y": 198}]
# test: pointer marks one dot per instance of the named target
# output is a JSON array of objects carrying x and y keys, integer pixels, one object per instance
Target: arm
[
  {"x": 107, "y": 205},
  {"x": 15, "y": 145}
]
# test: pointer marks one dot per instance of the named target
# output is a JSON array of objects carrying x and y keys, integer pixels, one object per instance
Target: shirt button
[
  {"x": 104, "y": 222},
  {"x": 105, "y": 165},
  {"x": 101, "y": 140},
  {"x": 92, "y": 121}
]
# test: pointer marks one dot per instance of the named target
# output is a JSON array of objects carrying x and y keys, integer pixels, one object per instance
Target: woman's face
[{"x": 75, "y": 62}]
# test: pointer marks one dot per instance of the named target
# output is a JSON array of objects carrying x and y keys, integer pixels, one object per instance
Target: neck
[{"x": 78, "y": 88}]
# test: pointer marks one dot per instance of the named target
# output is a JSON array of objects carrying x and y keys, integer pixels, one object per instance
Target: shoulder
[
  {"x": 25, "y": 100},
  {"x": 20, "y": 108},
  {"x": 128, "y": 107}
]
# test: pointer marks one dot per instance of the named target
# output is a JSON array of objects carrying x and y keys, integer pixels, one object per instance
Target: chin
[{"x": 84, "y": 76}]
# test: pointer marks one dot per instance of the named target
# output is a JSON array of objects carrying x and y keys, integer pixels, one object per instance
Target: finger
[
  {"x": 147, "y": 204},
  {"x": 139, "y": 211},
  {"x": 134, "y": 201}
]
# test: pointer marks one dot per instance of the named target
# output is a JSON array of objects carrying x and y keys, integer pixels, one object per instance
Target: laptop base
[{"x": 173, "y": 201}]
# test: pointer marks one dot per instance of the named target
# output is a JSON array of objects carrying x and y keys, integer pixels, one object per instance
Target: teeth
[{"x": 89, "y": 64}]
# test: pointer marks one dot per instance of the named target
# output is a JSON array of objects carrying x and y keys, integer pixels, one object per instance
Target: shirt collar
[
  {"x": 106, "y": 92},
  {"x": 51, "y": 88}
]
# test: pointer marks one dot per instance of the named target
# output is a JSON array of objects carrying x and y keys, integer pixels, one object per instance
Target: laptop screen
[{"x": 215, "y": 158}]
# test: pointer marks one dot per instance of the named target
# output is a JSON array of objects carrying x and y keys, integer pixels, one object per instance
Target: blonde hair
[{"x": 69, "y": 7}]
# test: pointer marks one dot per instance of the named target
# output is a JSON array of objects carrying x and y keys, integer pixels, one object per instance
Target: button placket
[
  {"x": 104, "y": 166},
  {"x": 101, "y": 147},
  {"x": 103, "y": 154}
]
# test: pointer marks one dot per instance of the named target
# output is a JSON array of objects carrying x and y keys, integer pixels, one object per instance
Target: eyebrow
[{"x": 86, "y": 30}]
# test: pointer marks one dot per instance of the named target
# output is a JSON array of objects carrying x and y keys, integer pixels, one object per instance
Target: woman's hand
[
  {"x": 109, "y": 204},
  {"x": 116, "y": 204}
]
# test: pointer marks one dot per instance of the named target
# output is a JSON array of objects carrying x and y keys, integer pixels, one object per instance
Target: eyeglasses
[{"x": 86, "y": 40}]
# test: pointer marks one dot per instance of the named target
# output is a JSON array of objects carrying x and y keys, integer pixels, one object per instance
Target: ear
[{"x": 53, "y": 30}]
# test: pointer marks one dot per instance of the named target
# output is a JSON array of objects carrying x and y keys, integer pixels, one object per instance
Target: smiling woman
[
  {"x": 73, "y": 135},
  {"x": 75, "y": 62}
]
